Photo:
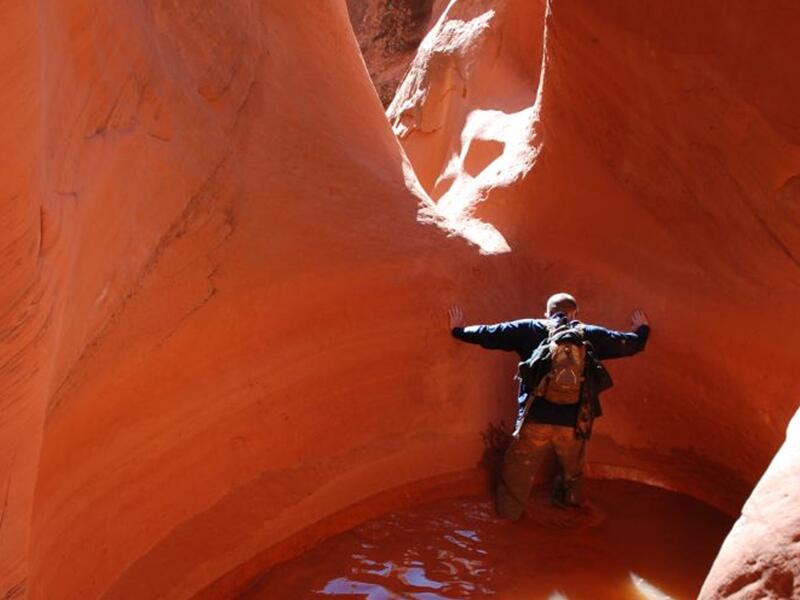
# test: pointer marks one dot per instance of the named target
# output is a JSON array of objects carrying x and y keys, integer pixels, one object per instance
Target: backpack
[
  {"x": 562, "y": 384},
  {"x": 555, "y": 370},
  {"x": 564, "y": 370}
]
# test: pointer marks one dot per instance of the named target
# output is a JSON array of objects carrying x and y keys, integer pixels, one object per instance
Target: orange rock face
[
  {"x": 222, "y": 319},
  {"x": 648, "y": 161},
  {"x": 26, "y": 296},
  {"x": 209, "y": 206},
  {"x": 759, "y": 559},
  {"x": 468, "y": 111}
]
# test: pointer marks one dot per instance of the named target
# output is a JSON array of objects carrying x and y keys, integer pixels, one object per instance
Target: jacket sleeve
[
  {"x": 608, "y": 343},
  {"x": 510, "y": 335}
]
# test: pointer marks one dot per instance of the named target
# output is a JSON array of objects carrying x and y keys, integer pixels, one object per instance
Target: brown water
[{"x": 632, "y": 542}]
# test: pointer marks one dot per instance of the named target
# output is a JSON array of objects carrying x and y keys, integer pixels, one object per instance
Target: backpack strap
[
  {"x": 551, "y": 327},
  {"x": 522, "y": 415}
]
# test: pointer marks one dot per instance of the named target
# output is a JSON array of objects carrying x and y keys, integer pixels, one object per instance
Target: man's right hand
[
  {"x": 456, "y": 317},
  {"x": 638, "y": 318}
]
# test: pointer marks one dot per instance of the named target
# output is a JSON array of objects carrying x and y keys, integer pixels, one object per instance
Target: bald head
[{"x": 562, "y": 303}]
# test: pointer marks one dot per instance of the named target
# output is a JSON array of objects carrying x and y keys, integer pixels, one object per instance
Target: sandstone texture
[
  {"x": 388, "y": 33},
  {"x": 223, "y": 329},
  {"x": 468, "y": 111},
  {"x": 761, "y": 556}
]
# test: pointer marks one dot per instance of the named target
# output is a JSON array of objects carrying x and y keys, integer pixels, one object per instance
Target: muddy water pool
[{"x": 632, "y": 542}]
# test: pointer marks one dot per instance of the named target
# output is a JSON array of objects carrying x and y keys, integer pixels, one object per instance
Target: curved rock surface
[
  {"x": 192, "y": 212},
  {"x": 653, "y": 152},
  {"x": 468, "y": 110},
  {"x": 222, "y": 319},
  {"x": 761, "y": 556}
]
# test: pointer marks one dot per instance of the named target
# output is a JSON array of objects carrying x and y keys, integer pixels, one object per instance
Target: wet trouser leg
[
  {"x": 520, "y": 463},
  {"x": 571, "y": 453}
]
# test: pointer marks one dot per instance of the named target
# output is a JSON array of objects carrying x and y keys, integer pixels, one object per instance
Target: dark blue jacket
[{"x": 525, "y": 335}]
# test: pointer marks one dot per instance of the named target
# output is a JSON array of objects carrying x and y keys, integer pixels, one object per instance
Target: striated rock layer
[
  {"x": 222, "y": 330},
  {"x": 26, "y": 294},
  {"x": 215, "y": 272}
]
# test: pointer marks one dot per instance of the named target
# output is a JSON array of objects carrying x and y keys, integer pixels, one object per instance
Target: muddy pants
[{"x": 523, "y": 458}]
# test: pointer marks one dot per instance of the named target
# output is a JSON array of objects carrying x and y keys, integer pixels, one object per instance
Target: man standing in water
[{"x": 558, "y": 412}]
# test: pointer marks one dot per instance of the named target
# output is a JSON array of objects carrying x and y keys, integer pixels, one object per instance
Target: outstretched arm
[
  {"x": 509, "y": 335},
  {"x": 616, "y": 344}
]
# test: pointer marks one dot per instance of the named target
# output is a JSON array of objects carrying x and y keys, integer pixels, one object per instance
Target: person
[{"x": 544, "y": 424}]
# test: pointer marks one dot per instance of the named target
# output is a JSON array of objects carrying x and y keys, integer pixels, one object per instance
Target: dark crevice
[{"x": 40, "y": 244}]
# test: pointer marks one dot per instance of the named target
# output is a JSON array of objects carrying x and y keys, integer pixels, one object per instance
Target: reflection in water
[
  {"x": 648, "y": 590},
  {"x": 459, "y": 568},
  {"x": 458, "y": 549}
]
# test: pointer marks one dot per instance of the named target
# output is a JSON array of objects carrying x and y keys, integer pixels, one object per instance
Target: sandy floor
[{"x": 633, "y": 541}]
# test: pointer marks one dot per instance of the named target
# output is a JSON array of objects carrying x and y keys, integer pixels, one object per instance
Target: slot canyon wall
[
  {"x": 222, "y": 319},
  {"x": 389, "y": 33}
]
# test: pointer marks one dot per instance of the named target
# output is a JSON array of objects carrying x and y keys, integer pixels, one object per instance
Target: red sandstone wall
[
  {"x": 659, "y": 174},
  {"x": 26, "y": 298},
  {"x": 663, "y": 169},
  {"x": 223, "y": 321},
  {"x": 243, "y": 301},
  {"x": 467, "y": 113},
  {"x": 760, "y": 557}
]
